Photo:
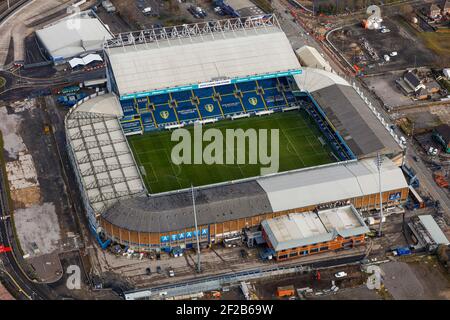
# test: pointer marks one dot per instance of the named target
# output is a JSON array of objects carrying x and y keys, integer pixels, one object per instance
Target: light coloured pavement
[{"x": 15, "y": 26}]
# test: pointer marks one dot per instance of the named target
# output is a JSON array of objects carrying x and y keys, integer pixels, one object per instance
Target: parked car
[
  {"x": 244, "y": 253},
  {"x": 158, "y": 270},
  {"x": 385, "y": 30},
  {"x": 148, "y": 271},
  {"x": 340, "y": 274},
  {"x": 393, "y": 53},
  {"x": 171, "y": 272}
]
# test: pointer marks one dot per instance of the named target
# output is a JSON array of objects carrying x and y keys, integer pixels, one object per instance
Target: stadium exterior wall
[
  {"x": 216, "y": 232},
  {"x": 332, "y": 245}
]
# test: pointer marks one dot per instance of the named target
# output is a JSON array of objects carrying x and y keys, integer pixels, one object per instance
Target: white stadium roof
[
  {"x": 100, "y": 151},
  {"x": 307, "y": 228},
  {"x": 330, "y": 183},
  {"x": 194, "y": 58},
  {"x": 73, "y": 36}
]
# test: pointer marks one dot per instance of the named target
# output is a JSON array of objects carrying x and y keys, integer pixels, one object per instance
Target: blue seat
[
  {"x": 128, "y": 107},
  {"x": 209, "y": 108},
  {"x": 159, "y": 99},
  {"x": 186, "y": 111},
  {"x": 252, "y": 101},
  {"x": 225, "y": 89},
  {"x": 164, "y": 114},
  {"x": 204, "y": 93},
  {"x": 267, "y": 83},
  {"x": 289, "y": 97},
  {"x": 182, "y": 95},
  {"x": 142, "y": 104},
  {"x": 274, "y": 99},
  {"x": 246, "y": 86},
  {"x": 147, "y": 121},
  {"x": 231, "y": 105},
  {"x": 131, "y": 126}
]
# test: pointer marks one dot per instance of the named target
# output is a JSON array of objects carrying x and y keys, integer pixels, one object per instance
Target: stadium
[{"x": 234, "y": 73}]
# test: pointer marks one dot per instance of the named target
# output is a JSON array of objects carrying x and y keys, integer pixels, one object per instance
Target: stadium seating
[
  {"x": 246, "y": 86},
  {"x": 231, "y": 105},
  {"x": 226, "y": 89},
  {"x": 252, "y": 101},
  {"x": 128, "y": 107},
  {"x": 164, "y": 114},
  {"x": 182, "y": 95},
  {"x": 142, "y": 104},
  {"x": 209, "y": 108},
  {"x": 267, "y": 83},
  {"x": 219, "y": 101},
  {"x": 131, "y": 124},
  {"x": 160, "y": 99},
  {"x": 147, "y": 121},
  {"x": 203, "y": 93},
  {"x": 187, "y": 111},
  {"x": 274, "y": 99}
]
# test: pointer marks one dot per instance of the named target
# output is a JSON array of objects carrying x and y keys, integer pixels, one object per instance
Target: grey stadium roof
[
  {"x": 198, "y": 54},
  {"x": 290, "y": 190},
  {"x": 174, "y": 211},
  {"x": 351, "y": 116}
]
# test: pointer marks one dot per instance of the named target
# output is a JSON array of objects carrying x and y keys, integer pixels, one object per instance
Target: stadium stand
[{"x": 209, "y": 108}]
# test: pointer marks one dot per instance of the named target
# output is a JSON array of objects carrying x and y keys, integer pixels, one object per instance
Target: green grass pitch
[{"x": 299, "y": 142}]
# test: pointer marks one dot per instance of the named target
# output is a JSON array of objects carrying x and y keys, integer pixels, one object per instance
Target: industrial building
[
  {"x": 427, "y": 233},
  {"x": 301, "y": 234},
  {"x": 73, "y": 36},
  {"x": 149, "y": 74}
]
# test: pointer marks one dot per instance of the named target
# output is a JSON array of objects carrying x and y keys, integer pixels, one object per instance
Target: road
[{"x": 25, "y": 287}]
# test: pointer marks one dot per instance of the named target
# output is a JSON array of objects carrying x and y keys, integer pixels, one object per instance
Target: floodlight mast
[{"x": 196, "y": 230}]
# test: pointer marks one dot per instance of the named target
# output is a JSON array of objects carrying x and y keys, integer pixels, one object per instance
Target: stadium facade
[{"x": 171, "y": 77}]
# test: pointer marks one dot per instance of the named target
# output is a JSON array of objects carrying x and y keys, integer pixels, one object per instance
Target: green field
[{"x": 298, "y": 140}]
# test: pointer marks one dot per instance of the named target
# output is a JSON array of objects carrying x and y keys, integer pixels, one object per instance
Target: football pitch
[{"x": 301, "y": 145}]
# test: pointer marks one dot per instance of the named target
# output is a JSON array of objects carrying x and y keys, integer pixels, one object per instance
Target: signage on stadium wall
[
  {"x": 395, "y": 196},
  {"x": 210, "y": 84},
  {"x": 181, "y": 236}
]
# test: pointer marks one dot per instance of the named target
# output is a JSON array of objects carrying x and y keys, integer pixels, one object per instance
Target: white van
[{"x": 147, "y": 11}]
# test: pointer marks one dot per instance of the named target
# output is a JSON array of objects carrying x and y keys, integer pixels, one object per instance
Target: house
[
  {"x": 434, "y": 11},
  {"x": 413, "y": 81},
  {"x": 446, "y": 8},
  {"x": 442, "y": 135}
]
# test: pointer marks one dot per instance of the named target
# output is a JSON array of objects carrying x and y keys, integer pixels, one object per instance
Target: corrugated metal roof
[
  {"x": 350, "y": 115},
  {"x": 74, "y": 36},
  {"x": 301, "y": 229},
  {"x": 433, "y": 229},
  {"x": 199, "y": 59},
  {"x": 330, "y": 183}
]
